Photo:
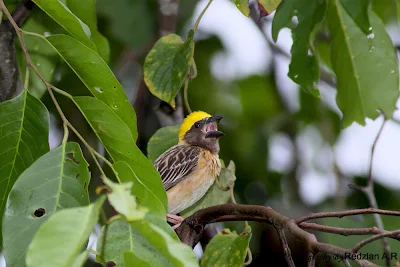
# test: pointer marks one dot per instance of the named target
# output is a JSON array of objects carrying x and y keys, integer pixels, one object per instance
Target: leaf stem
[
  {"x": 201, "y": 15},
  {"x": 185, "y": 95}
]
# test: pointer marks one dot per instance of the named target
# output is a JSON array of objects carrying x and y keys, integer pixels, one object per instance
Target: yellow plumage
[{"x": 190, "y": 120}]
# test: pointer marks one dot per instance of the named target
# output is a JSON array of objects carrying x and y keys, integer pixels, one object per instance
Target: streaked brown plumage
[{"x": 189, "y": 169}]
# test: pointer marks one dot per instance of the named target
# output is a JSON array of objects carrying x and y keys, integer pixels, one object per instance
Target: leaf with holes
[
  {"x": 266, "y": 7},
  {"x": 71, "y": 23},
  {"x": 243, "y": 6},
  {"x": 147, "y": 241},
  {"x": 63, "y": 236},
  {"x": 303, "y": 68},
  {"x": 121, "y": 146},
  {"x": 161, "y": 141},
  {"x": 358, "y": 11},
  {"x": 96, "y": 75},
  {"x": 167, "y": 64},
  {"x": 57, "y": 180},
  {"x": 122, "y": 200},
  {"x": 227, "y": 248},
  {"x": 366, "y": 67},
  {"x": 24, "y": 130},
  {"x": 217, "y": 194}
]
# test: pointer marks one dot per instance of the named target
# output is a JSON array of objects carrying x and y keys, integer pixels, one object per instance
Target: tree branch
[
  {"x": 394, "y": 234},
  {"x": 344, "y": 231},
  {"x": 192, "y": 227}
]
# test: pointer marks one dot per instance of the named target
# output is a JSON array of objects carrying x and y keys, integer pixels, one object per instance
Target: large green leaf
[
  {"x": 358, "y": 11},
  {"x": 303, "y": 68},
  {"x": 366, "y": 68},
  {"x": 163, "y": 139},
  {"x": 61, "y": 239},
  {"x": 217, "y": 194},
  {"x": 57, "y": 180},
  {"x": 145, "y": 195},
  {"x": 24, "y": 130},
  {"x": 149, "y": 243},
  {"x": 71, "y": 23},
  {"x": 120, "y": 144},
  {"x": 167, "y": 64},
  {"x": 122, "y": 200},
  {"x": 96, "y": 75},
  {"x": 227, "y": 248},
  {"x": 86, "y": 11}
]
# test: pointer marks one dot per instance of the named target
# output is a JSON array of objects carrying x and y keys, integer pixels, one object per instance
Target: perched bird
[{"x": 189, "y": 168}]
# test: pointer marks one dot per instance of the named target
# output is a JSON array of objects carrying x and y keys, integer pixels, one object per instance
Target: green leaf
[
  {"x": 63, "y": 16},
  {"x": 61, "y": 239},
  {"x": 96, "y": 75},
  {"x": 145, "y": 195},
  {"x": 81, "y": 259},
  {"x": 366, "y": 68},
  {"x": 303, "y": 68},
  {"x": 122, "y": 200},
  {"x": 130, "y": 259},
  {"x": 119, "y": 143},
  {"x": 57, "y": 180},
  {"x": 358, "y": 11},
  {"x": 161, "y": 141},
  {"x": 227, "y": 248},
  {"x": 167, "y": 64},
  {"x": 24, "y": 130},
  {"x": 215, "y": 195},
  {"x": 86, "y": 11},
  {"x": 46, "y": 66},
  {"x": 243, "y": 6},
  {"x": 148, "y": 242},
  {"x": 266, "y": 7}
]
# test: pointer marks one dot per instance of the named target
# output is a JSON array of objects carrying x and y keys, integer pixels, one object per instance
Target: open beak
[{"x": 211, "y": 127}]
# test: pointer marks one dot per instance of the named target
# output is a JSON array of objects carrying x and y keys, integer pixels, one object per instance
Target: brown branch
[
  {"x": 393, "y": 234},
  {"x": 193, "y": 226},
  {"x": 345, "y": 231},
  {"x": 340, "y": 214},
  {"x": 285, "y": 246}
]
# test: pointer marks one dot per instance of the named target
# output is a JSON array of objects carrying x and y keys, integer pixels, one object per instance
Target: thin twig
[
  {"x": 346, "y": 263},
  {"x": 343, "y": 231},
  {"x": 285, "y": 246},
  {"x": 376, "y": 237},
  {"x": 340, "y": 214},
  {"x": 369, "y": 192}
]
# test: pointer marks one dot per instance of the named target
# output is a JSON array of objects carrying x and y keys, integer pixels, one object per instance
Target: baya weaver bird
[{"x": 189, "y": 168}]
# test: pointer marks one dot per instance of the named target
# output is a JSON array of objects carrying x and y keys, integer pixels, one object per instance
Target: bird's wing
[{"x": 177, "y": 163}]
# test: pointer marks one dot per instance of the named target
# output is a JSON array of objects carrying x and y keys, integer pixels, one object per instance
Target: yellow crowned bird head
[{"x": 201, "y": 129}]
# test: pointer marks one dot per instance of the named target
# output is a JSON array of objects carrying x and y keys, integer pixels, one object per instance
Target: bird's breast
[{"x": 195, "y": 186}]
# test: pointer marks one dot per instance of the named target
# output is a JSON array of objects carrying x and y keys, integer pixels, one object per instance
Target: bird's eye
[{"x": 197, "y": 125}]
